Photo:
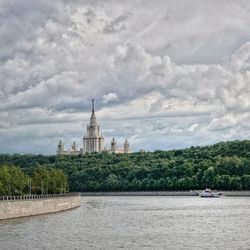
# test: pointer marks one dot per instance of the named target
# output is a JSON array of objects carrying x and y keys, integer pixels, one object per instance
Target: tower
[
  {"x": 74, "y": 147},
  {"x": 126, "y": 147},
  {"x": 60, "y": 148},
  {"x": 113, "y": 146},
  {"x": 93, "y": 141}
]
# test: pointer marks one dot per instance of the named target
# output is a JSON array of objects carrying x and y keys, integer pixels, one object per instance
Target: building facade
[
  {"x": 72, "y": 151},
  {"x": 93, "y": 141},
  {"x": 114, "y": 148}
]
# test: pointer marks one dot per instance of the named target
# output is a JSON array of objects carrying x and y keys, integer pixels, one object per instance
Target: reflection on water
[{"x": 136, "y": 223}]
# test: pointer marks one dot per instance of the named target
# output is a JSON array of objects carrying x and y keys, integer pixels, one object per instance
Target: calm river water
[{"x": 136, "y": 223}]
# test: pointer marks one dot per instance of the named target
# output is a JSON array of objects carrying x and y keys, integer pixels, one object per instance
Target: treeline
[
  {"x": 13, "y": 181},
  {"x": 223, "y": 166}
]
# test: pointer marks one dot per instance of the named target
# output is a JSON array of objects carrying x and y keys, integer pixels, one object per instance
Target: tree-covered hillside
[{"x": 224, "y": 166}]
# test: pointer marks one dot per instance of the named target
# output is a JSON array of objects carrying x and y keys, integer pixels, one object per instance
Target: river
[{"x": 136, "y": 223}]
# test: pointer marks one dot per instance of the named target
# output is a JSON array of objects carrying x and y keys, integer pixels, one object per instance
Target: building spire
[
  {"x": 92, "y": 117},
  {"x": 93, "y": 106}
]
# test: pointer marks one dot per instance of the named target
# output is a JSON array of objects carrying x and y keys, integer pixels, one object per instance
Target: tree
[
  {"x": 12, "y": 180},
  {"x": 235, "y": 183},
  {"x": 208, "y": 177},
  {"x": 112, "y": 182},
  {"x": 245, "y": 182},
  {"x": 47, "y": 180}
]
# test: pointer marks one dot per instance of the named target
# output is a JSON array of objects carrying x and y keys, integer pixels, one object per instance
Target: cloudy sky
[{"x": 165, "y": 74}]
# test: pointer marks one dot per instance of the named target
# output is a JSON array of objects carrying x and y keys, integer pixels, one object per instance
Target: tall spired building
[{"x": 93, "y": 141}]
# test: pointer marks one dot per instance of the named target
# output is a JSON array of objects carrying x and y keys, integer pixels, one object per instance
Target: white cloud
[{"x": 111, "y": 97}]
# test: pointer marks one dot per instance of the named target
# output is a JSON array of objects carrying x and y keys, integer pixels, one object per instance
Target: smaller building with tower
[
  {"x": 93, "y": 141},
  {"x": 114, "y": 148}
]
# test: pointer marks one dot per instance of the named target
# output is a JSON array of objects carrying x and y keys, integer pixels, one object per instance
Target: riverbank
[
  {"x": 163, "y": 193},
  {"x": 23, "y": 206}
]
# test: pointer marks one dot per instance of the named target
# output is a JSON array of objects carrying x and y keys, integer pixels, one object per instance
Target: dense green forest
[
  {"x": 223, "y": 166},
  {"x": 13, "y": 181}
]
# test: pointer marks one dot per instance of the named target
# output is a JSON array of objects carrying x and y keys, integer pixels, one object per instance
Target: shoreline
[
  {"x": 18, "y": 208},
  {"x": 163, "y": 193}
]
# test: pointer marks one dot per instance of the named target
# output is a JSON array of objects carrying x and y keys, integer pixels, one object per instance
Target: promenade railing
[{"x": 36, "y": 196}]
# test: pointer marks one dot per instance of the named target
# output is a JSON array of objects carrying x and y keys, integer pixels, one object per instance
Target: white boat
[{"x": 208, "y": 193}]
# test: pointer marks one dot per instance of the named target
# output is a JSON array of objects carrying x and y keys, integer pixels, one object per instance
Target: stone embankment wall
[
  {"x": 20, "y": 208},
  {"x": 237, "y": 193}
]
